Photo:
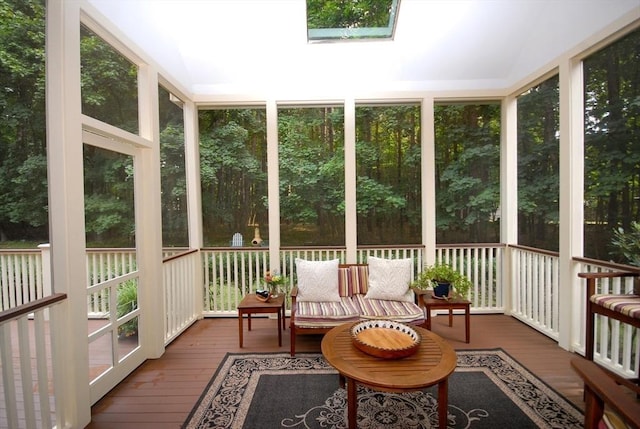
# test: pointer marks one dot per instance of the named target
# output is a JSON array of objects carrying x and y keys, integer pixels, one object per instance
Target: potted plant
[
  {"x": 442, "y": 277},
  {"x": 127, "y": 301}
]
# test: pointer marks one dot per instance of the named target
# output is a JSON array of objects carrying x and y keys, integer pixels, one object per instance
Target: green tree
[
  {"x": 388, "y": 155},
  {"x": 23, "y": 168},
  {"x": 311, "y": 157},
  {"x": 173, "y": 172},
  {"x": 467, "y": 173},
  {"x": 538, "y": 166},
  {"x": 233, "y": 159},
  {"x": 612, "y": 143}
]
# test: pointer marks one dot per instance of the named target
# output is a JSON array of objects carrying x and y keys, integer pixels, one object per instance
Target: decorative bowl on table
[
  {"x": 385, "y": 338},
  {"x": 263, "y": 295}
]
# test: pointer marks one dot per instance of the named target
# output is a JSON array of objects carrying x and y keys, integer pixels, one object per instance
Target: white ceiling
[{"x": 217, "y": 47}]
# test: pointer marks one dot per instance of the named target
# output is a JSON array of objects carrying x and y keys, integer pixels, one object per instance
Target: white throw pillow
[
  {"x": 317, "y": 280},
  {"x": 389, "y": 279}
]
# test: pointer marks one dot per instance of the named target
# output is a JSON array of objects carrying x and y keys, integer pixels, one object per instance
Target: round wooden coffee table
[{"x": 432, "y": 364}]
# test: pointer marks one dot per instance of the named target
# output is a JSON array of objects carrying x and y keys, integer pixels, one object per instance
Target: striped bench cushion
[
  {"x": 325, "y": 314},
  {"x": 628, "y": 305},
  {"x": 399, "y": 311}
]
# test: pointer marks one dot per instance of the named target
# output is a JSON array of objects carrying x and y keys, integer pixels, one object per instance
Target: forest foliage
[{"x": 311, "y": 156}]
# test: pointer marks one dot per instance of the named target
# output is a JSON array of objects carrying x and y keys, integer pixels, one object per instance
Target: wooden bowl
[{"x": 385, "y": 339}]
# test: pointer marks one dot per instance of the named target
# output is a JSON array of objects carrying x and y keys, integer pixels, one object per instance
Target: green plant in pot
[
  {"x": 127, "y": 301},
  {"x": 442, "y": 277}
]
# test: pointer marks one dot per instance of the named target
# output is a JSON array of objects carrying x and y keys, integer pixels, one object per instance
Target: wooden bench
[
  {"x": 622, "y": 307},
  {"x": 601, "y": 391}
]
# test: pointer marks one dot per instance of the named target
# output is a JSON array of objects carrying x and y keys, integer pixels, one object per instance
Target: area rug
[{"x": 488, "y": 389}]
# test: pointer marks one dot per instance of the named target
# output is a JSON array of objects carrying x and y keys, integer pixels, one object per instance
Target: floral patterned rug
[{"x": 488, "y": 389}]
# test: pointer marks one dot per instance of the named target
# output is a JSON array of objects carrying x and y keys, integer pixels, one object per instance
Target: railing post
[{"x": 45, "y": 256}]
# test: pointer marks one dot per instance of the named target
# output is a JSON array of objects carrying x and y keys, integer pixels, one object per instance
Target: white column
[
  {"x": 192, "y": 167},
  {"x": 273, "y": 185},
  {"x": 350, "y": 212},
  {"x": 428, "y": 181},
  {"x": 66, "y": 209},
  {"x": 194, "y": 193},
  {"x": 508, "y": 193},
  {"x": 571, "y": 198},
  {"x": 148, "y": 218}
]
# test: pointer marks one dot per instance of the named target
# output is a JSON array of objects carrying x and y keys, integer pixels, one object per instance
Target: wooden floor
[{"x": 161, "y": 392}]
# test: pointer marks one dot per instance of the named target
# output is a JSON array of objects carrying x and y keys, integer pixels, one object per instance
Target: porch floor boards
[{"x": 161, "y": 392}]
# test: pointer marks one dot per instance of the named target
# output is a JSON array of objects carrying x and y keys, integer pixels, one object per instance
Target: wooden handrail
[
  {"x": 179, "y": 255},
  {"x": 30, "y": 307}
]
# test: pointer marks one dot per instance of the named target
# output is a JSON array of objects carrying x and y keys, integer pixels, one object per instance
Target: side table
[
  {"x": 250, "y": 305},
  {"x": 431, "y": 303}
]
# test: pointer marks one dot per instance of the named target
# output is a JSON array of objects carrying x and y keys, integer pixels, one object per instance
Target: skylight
[{"x": 340, "y": 20}]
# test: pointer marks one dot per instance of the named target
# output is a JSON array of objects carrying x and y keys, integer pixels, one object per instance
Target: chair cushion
[
  {"x": 326, "y": 313},
  {"x": 629, "y": 305},
  {"x": 399, "y": 311}
]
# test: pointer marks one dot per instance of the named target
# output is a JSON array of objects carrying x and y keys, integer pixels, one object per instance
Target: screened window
[
  {"x": 538, "y": 166},
  {"x": 311, "y": 158},
  {"x": 612, "y": 152},
  {"x": 23, "y": 153},
  {"x": 233, "y": 174},
  {"x": 108, "y": 199},
  {"x": 351, "y": 19},
  {"x": 388, "y": 182},
  {"x": 109, "y": 83},
  {"x": 467, "y": 150},
  {"x": 172, "y": 169}
]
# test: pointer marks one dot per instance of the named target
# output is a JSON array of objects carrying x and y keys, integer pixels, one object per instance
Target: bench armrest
[{"x": 601, "y": 389}]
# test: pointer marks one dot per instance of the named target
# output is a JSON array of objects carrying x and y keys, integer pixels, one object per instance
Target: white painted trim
[
  {"x": 508, "y": 192},
  {"x": 350, "y": 183},
  {"x": 617, "y": 29},
  {"x": 192, "y": 166},
  {"x": 119, "y": 135},
  {"x": 148, "y": 213},
  {"x": 273, "y": 185},
  {"x": 66, "y": 209},
  {"x": 428, "y": 176},
  {"x": 571, "y": 196},
  {"x": 111, "y": 34},
  {"x": 509, "y": 171}
]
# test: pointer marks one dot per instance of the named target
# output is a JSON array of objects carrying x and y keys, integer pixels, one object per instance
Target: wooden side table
[
  {"x": 250, "y": 305},
  {"x": 431, "y": 303}
]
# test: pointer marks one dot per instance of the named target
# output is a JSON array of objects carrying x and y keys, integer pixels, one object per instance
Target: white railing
[
  {"x": 28, "y": 360},
  {"x": 231, "y": 273},
  {"x": 482, "y": 264},
  {"x": 20, "y": 277},
  {"x": 183, "y": 297},
  {"x": 615, "y": 342},
  {"x": 535, "y": 289},
  {"x": 103, "y": 265}
]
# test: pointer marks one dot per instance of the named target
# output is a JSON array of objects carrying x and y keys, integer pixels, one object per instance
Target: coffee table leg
[
  {"x": 443, "y": 403},
  {"x": 352, "y": 403}
]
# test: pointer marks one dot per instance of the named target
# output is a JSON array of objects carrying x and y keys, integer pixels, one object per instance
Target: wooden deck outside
[{"x": 161, "y": 392}]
